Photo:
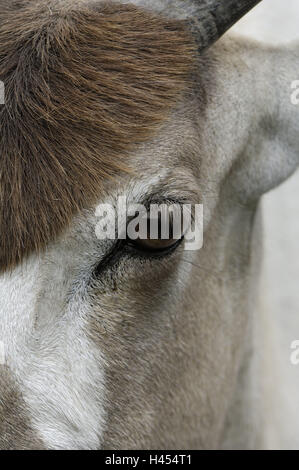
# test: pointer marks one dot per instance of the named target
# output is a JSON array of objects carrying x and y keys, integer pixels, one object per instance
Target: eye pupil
[
  {"x": 155, "y": 245},
  {"x": 156, "y": 241},
  {"x": 167, "y": 235}
]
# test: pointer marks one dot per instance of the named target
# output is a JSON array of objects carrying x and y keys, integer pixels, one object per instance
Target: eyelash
[
  {"x": 147, "y": 253},
  {"x": 125, "y": 247}
]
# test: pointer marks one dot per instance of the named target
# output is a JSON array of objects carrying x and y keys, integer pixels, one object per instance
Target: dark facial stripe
[{"x": 16, "y": 432}]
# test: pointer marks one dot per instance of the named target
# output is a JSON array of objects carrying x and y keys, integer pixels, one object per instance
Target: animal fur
[
  {"x": 172, "y": 352},
  {"x": 15, "y": 429},
  {"x": 85, "y": 82}
]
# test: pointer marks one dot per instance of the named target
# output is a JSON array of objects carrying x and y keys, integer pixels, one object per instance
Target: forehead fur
[{"x": 84, "y": 83}]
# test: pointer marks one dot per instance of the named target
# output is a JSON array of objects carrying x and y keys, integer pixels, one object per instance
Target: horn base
[{"x": 215, "y": 18}]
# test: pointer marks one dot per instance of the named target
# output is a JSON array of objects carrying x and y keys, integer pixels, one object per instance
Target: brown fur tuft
[{"x": 84, "y": 83}]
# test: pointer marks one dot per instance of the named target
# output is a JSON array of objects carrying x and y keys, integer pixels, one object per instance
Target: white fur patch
[{"x": 59, "y": 370}]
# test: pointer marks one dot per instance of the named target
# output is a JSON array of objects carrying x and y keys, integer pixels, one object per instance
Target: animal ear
[{"x": 264, "y": 106}]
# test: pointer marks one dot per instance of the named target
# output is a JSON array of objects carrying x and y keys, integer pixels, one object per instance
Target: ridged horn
[{"x": 215, "y": 17}]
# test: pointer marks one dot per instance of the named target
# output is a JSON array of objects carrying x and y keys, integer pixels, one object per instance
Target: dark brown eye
[
  {"x": 157, "y": 246},
  {"x": 158, "y": 236}
]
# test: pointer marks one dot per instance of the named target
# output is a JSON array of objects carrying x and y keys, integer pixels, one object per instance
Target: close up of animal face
[{"x": 123, "y": 343}]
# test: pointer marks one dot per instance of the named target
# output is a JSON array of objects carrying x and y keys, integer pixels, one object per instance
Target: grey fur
[
  {"x": 16, "y": 432},
  {"x": 178, "y": 339}
]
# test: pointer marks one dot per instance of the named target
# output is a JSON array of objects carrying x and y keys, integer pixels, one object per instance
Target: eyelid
[
  {"x": 148, "y": 253},
  {"x": 114, "y": 253},
  {"x": 124, "y": 246}
]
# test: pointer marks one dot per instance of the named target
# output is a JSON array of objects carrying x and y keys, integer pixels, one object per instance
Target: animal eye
[
  {"x": 159, "y": 235},
  {"x": 154, "y": 246},
  {"x": 151, "y": 237}
]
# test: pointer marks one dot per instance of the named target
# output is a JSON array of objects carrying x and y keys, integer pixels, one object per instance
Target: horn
[{"x": 215, "y": 17}]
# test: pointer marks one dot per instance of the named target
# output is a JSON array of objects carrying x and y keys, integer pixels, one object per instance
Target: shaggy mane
[{"x": 84, "y": 83}]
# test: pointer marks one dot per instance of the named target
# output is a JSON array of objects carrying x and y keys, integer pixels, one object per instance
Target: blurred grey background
[{"x": 277, "y": 21}]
